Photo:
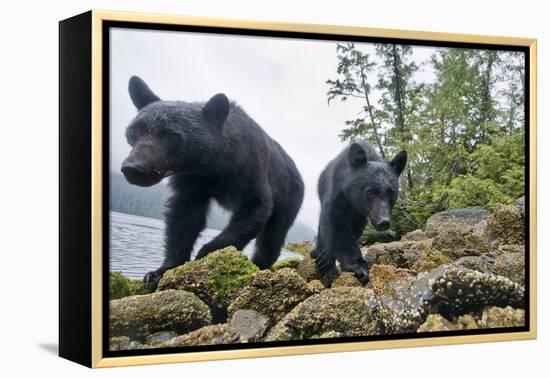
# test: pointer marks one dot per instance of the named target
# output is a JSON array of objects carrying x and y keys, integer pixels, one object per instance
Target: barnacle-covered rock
[
  {"x": 402, "y": 254},
  {"x": 462, "y": 219},
  {"x": 506, "y": 225},
  {"x": 308, "y": 270},
  {"x": 346, "y": 279}
]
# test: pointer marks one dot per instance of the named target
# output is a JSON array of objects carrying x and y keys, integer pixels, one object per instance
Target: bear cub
[
  {"x": 355, "y": 187},
  {"x": 212, "y": 151}
]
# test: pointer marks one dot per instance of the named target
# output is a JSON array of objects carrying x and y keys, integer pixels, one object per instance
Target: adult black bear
[
  {"x": 212, "y": 150},
  {"x": 355, "y": 187}
]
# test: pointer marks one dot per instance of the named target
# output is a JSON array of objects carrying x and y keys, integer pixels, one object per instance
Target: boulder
[
  {"x": 415, "y": 235},
  {"x": 216, "y": 279},
  {"x": 159, "y": 338},
  {"x": 402, "y": 254},
  {"x": 346, "y": 311},
  {"x": 437, "y": 323},
  {"x": 215, "y": 334},
  {"x": 520, "y": 203},
  {"x": 142, "y": 315},
  {"x": 250, "y": 324},
  {"x": 456, "y": 243},
  {"x": 272, "y": 294},
  {"x": 506, "y": 225},
  {"x": 315, "y": 286},
  {"x": 463, "y": 219}
]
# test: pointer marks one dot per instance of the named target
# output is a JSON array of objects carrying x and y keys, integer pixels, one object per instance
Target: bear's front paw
[
  {"x": 323, "y": 261},
  {"x": 360, "y": 270},
  {"x": 153, "y": 277}
]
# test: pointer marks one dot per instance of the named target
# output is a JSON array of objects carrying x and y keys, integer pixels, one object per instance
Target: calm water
[{"x": 136, "y": 245}]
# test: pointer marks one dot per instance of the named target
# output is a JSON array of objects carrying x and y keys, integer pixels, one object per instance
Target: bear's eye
[{"x": 369, "y": 192}]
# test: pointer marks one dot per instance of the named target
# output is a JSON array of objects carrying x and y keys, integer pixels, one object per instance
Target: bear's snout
[{"x": 137, "y": 174}]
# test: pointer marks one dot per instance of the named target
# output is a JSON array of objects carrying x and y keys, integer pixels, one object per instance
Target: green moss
[
  {"x": 121, "y": 286},
  {"x": 290, "y": 262}
]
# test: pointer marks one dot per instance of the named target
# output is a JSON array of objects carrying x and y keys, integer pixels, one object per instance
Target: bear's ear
[
  {"x": 398, "y": 162},
  {"x": 357, "y": 155},
  {"x": 140, "y": 93},
  {"x": 216, "y": 110}
]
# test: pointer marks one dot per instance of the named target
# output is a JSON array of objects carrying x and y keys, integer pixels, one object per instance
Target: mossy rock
[
  {"x": 272, "y": 294},
  {"x": 303, "y": 248},
  {"x": 402, "y": 254},
  {"x": 349, "y": 311},
  {"x": 216, "y": 278},
  {"x": 456, "y": 243},
  {"x": 506, "y": 225},
  {"x": 142, "y": 315},
  {"x": 121, "y": 286},
  {"x": 289, "y": 262},
  {"x": 429, "y": 260},
  {"x": 346, "y": 279},
  {"x": 496, "y": 317},
  {"x": 215, "y": 334},
  {"x": 308, "y": 270}
]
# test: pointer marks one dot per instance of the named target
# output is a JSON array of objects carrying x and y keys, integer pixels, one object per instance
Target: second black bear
[
  {"x": 212, "y": 150},
  {"x": 355, "y": 187}
]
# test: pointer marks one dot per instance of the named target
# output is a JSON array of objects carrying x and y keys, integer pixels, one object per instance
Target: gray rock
[
  {"x": 250, "y": 324},
  {"x": 158, "y": 338},
  {"x": 463, "y": 219}
]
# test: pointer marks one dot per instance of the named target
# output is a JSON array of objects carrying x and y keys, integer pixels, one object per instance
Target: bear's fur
[
  {"x": 355, "y": 187},
  {"x": 212, "y": 151}
]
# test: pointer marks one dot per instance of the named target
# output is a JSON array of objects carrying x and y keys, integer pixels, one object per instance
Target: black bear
[
  {"x": 355, "y": 187},
  {"x": 212, "y": 150}
]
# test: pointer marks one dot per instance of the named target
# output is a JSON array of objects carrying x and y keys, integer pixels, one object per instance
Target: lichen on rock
[
  {"x": 272, "y": 294},
  {"x": 216, "y": 279},
  {"x": 429, "y": 259},
  {"x": 349, "y": 311},
  {"x": 171, "y": 310},
  {"x": 506, "y": 225}
]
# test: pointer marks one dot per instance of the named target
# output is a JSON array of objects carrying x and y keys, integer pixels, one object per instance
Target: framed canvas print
[{"x": 234, "y": 189}]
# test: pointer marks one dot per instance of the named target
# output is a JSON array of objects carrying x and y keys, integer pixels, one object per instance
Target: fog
[{"x": 279, "y": 82}]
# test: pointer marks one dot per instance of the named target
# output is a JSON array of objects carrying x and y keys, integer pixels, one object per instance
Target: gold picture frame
[{"x": 92, "y": 26}]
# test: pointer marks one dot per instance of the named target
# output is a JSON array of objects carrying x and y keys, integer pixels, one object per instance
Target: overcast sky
[{"x": 279, "y": 82}]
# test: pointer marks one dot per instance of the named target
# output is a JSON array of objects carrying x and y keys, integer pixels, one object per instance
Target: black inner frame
[{"x": 106, "y": 25}]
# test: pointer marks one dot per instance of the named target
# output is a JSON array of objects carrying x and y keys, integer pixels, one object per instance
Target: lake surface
[{"x": 137, "y": 244}]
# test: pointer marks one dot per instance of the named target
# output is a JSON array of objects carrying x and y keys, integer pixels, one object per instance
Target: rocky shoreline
[{"x": 465, "y": 270}]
